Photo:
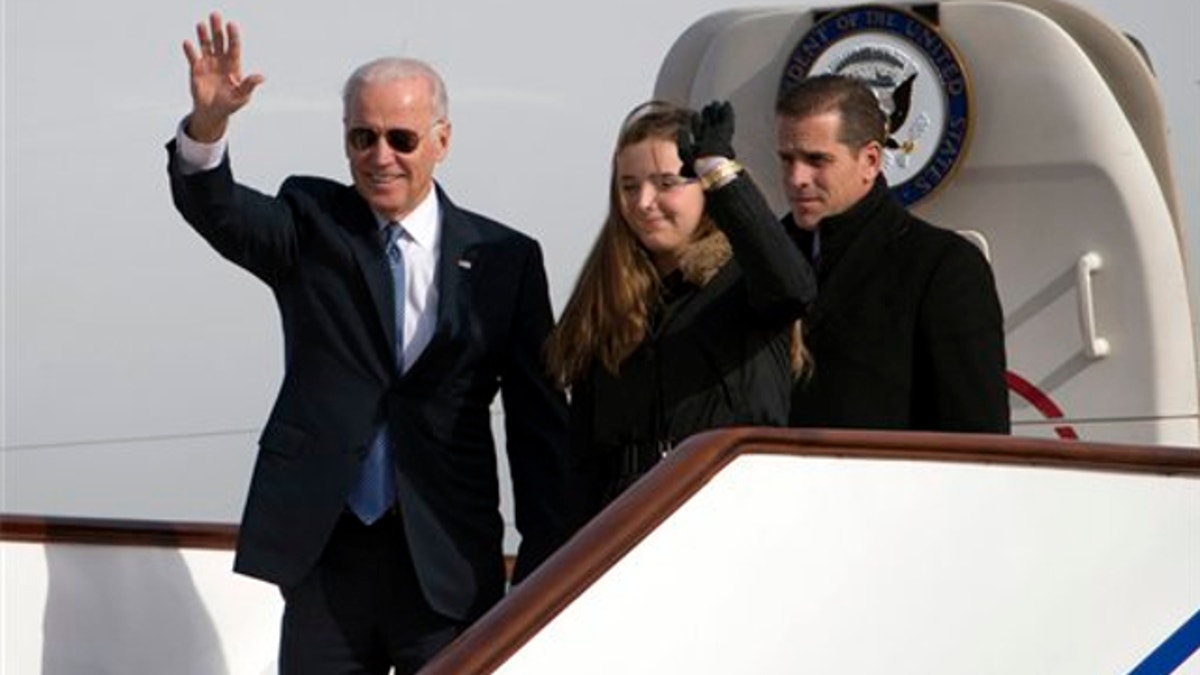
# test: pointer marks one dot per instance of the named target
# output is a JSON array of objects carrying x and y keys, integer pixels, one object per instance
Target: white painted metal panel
[
  {"x": 811, "y": 565},
  {"x": 72, "y": 608}
]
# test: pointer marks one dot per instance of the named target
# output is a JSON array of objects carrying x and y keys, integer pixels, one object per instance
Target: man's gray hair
[{"x": 391, "y": 68}]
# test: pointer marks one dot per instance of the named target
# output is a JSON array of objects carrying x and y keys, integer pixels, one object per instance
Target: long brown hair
[{"x": 608, "y": 313}]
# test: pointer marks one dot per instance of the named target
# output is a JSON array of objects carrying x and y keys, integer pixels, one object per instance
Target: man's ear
[
  {"x": 870, "y": 158},
  {"x": 442, "y": 132}
]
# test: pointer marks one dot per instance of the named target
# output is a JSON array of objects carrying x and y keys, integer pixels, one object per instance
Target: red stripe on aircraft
[{"x": 1040, "y": 401}]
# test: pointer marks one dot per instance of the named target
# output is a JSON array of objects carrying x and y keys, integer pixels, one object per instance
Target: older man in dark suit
[
  {"x": 374, "y": 499},
  {"x": 906, "y": 331}
]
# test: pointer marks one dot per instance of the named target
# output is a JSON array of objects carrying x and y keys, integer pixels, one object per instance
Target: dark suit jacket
[
  {"x": 907, "y": 330},
  {"x": 317, "y": 245}
]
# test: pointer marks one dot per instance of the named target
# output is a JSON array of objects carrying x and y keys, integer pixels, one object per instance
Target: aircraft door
[{"x": 1029, "y": 150}]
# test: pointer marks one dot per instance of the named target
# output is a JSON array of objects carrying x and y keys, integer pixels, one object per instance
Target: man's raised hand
[{"x": 218, "y": 87}]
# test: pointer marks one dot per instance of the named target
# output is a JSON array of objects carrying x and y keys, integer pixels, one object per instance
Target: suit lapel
[
  {"x": 457, "y": 263},
  {"x": 365, "y": 241}
]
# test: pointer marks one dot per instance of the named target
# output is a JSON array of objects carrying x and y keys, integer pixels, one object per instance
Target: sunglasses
[{"x": 401, "y": 140}]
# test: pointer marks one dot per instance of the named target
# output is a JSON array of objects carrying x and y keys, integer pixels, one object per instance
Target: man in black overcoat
[{"x": 906, "y": 331}]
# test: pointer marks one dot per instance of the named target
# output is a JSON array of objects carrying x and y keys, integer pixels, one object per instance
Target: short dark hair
[{"x": 862, "y": 119}]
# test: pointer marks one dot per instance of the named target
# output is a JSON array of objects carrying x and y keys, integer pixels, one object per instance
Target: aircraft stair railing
[
  {"x": 783, "y": 551},
  {"x": 84, "y": 595}
]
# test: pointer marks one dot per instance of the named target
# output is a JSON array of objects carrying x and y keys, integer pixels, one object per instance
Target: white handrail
[{"x": 1095, "y": 347}]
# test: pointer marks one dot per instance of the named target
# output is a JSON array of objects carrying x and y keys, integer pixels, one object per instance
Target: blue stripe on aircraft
[{"x": 1174, "y": 651}]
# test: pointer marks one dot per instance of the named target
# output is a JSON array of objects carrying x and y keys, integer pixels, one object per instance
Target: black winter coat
[
  {"x": 717, "y": 353},
  {"x": 907, "y": 330}
]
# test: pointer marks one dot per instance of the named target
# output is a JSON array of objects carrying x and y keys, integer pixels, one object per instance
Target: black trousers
[{"x": 361, "y": 610}]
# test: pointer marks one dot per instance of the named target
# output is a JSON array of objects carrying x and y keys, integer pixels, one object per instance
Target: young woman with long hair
[{"x": 685, "y": 315}]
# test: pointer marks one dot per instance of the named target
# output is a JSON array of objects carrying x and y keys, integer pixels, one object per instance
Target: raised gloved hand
[{"x": 709, "y": 135}]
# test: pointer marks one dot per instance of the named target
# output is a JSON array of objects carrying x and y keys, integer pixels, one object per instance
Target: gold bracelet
[{"x": 720, "y": 175}]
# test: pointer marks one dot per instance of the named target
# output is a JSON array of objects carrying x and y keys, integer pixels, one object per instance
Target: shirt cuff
[
  {"x": 194, "y": 156},
  {"x": 708, "y": 163}
]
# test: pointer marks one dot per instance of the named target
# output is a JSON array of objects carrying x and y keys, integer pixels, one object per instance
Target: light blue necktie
[{"x": 375, "y": 491}]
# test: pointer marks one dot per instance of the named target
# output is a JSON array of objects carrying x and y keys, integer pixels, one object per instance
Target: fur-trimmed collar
[{"x": 703, "y": 259}]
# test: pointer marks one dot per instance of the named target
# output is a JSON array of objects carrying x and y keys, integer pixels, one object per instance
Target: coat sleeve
[
  {"x": 961, "y": 336},
  {"x": 252, "y": 230},
  {"x": 780, "y": 281},
  {"x": 535, "y": 415},
  {"x": 588, "y": 476}
]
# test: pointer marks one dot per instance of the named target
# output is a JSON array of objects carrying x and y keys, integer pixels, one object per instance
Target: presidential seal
[{"x": 918, "y": 78}]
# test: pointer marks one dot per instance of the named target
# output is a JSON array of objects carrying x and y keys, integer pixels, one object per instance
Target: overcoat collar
[{"x": 859, "y": 239}]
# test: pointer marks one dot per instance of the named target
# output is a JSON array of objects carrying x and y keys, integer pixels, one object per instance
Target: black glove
[{"x": 710, "y": 135}]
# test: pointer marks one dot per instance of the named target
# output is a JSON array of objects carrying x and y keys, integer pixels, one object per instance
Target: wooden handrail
[
  {"x": 599, "y": 545},
  {"x": 128, "y": 532},
  {"x": 116, "y": 532}
]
